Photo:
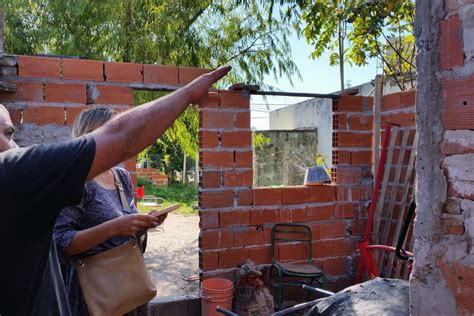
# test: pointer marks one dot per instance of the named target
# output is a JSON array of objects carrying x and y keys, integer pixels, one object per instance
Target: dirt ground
[{"x": 172, "y": 256}]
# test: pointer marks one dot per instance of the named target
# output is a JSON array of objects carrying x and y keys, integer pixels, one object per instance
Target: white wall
[{"x": 313, "y": 113}]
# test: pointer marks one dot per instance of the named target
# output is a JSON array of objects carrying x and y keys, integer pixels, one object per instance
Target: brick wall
[
  {"x": 51, "y": 92},
  {"x": 154, "y": 175},
  {"x": 457, "y": 219},
  {"x": 444, "y": 260}
]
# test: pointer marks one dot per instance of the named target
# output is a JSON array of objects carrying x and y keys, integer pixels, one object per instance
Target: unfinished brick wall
[
  {"x": 154, "y": 175},
  {"x": 51, "y": 92},
  {"x": 236, "y": 219},
  {"x": 442, "y": 281}
]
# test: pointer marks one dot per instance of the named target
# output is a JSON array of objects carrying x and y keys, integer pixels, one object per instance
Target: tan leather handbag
[{"x": 115, "y": 281}]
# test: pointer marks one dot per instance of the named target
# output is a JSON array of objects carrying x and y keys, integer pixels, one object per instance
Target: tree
[
  {"x": 199, "y": 33},
  {"x": 382, "y": 29},
  {"x": 354, "y": 31}
]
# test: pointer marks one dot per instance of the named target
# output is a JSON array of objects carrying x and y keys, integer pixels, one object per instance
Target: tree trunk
[
  {"x": 184, "y": 178},
  {"x": 341, "y": 56}
]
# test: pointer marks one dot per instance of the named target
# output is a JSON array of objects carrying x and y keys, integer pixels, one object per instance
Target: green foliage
[
  {"x": 382, "y": 29},
  {"x": 183, "y": 194},
  {"x": 260, "y": 141},
  {"x": 199, "y": 33}
]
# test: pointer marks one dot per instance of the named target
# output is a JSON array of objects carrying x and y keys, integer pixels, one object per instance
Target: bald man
[{"x": 37, "y": 182}]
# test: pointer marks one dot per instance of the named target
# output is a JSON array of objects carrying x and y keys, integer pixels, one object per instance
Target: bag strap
[
  {"x": 121, "y": 191},
  {"x": 143, "y": 242}
]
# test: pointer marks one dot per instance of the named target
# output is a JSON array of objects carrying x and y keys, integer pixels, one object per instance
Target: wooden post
[{"x": 377, "y": 109}]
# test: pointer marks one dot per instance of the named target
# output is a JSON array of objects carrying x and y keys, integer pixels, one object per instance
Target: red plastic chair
[{"x": 140, "y": 192}]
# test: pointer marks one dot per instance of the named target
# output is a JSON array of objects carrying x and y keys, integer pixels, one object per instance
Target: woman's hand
[{"x": 129, "y": 225}]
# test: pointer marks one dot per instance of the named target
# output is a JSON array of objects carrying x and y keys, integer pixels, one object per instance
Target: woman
[{"x": 99, "y": 222}]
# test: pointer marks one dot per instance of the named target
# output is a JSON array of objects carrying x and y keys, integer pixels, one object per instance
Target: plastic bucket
[{"x": 216, "y": 292}]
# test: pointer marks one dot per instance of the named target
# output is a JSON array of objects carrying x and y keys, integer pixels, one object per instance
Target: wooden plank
[
  {"x": 377, "y": 116},
  {"x": 393, "y": 194},
  {"x": 405, "y": 203},
  {"x": 381, "y": 200}
]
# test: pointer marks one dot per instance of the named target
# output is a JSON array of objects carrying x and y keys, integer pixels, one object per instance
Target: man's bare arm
[{"x": 132, "y": 131}]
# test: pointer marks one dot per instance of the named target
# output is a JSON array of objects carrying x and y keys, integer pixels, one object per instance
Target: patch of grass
[{"x": 183, "y": 194}]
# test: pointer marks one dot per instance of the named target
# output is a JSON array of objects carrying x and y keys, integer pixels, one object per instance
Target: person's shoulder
[{"x": 122, "y": 171}]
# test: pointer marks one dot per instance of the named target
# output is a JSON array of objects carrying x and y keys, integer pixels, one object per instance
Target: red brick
[
  {"x": 358, "y": 227},
  {"x": 243, "y": 159},
  {"x": 158, "y": 74},
  {"x": 391, "y": 102},
  {"x": 79, "y": 69},
  {"x": 343, "y": 193},
  {"x": 399, "y": 118},
  {"x": 44, "y": 115},
  {"x": 267, "y": 196},
  {"x": 208, "y": 139},
  {"x": 320, "y": 213},
  {"x": 215, "y": 199},
  {"x": 233, "y": 178},
  {"x": 232, "y": 257},
  {"x": 39, "y": 67},
  {"x": 123, "y": 72},
  {"x": 209, "y": 260},
  {"x": 451, "y": 43},
  {"x": 65, "y": 92},
  {"x": 25, "y": 91},
  {"x": 346, "y": 210},
  {"x": 235, "y": 99},
  {"x": 217, "y": 158},
  {"x": 295, "y": 195},
  {"x": 211, "y": 101},
  {"x": 453, "y": 226},
  {"x": 72, "y": 112},
  {"x": 460, "y": 280},
  {"x": 322, "y": 249},
  {"x": 349, "y": 174},
  {"x": 361, "y": 158},
  {"x": 113, "y": 95},
  {"x": 408, "y": 98},
  {"x": 458, "y": 103},
  {"x": 361, "y": 122},
  {"x": 15, "y": 115},
  {"x": 350, "y": 103},
  {"x": 242, "y": 120},
  {"x": 341, "y": 121},
  {"x": 211, "y": 179},
  {"x": 216, "y": 119},
  {"x": 332, "y": 230},
  {"x": 343, "y": 247},
  {"x": 344, "y": 157},
  {"x": 188, "y": 74},
  {"x": 236, "y": 139},
  {"x": 292, "y": 252},
  {"x": 208, "y": 219},
  {"x": 266, "y": 216},
  {"x": 350, "y": 139},
  {"x": 315, "y": 230},
  {"x": 249, "y": 236},
  {"x": 234, "y": 218},
  {"x": 260, "y": 254},
  {"x": 335, "y": 266},
  {"x": 245, "y": 198},
  {"x": 215, "y": 238},
  {"x": 322, "y": 193},
  {"x": 362, "y": 192}
]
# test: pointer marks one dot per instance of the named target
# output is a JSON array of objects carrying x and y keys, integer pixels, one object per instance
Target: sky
[{"x": 317, "y": 77}]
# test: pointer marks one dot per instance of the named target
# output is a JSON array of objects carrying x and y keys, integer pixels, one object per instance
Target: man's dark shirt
[{"x": 35, "y": 184}]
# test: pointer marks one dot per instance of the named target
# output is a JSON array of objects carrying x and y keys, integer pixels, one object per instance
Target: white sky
[{"x": 317, "y": 77}]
